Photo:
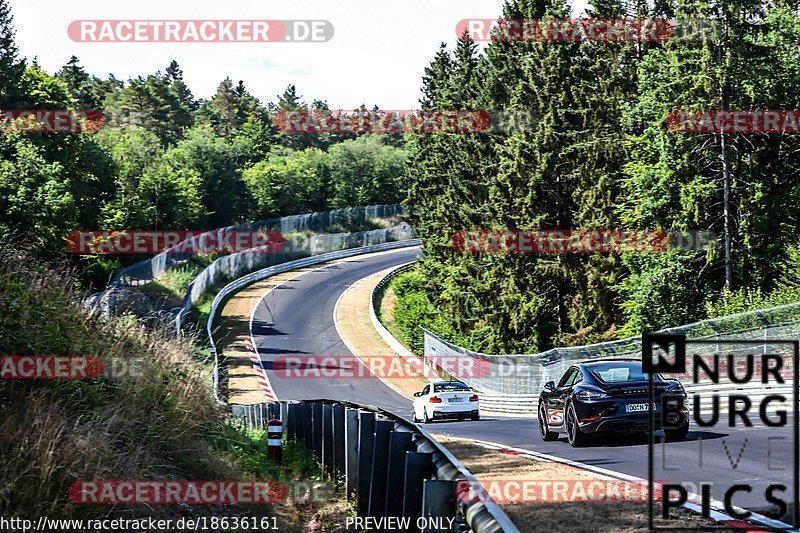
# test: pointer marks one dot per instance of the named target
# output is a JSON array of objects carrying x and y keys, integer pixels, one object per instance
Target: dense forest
[
  {"x": 601, "y": 155},
  {"x": 168, "y": 160}
]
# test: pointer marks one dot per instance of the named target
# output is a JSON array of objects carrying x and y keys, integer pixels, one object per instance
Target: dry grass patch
[
  {"x": 600, "y": 516},
  {"x": 385, "y": 311},
  {"x": 355, "y": 327},
  {"x": 156, "y": 422}
]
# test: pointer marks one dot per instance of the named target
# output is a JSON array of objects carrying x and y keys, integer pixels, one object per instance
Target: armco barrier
[
  {"x": 157, "y": 265},
  {"x": 393, "y": 343},
  {"x": 234, "y": 265},
  {"x": 387, "y": 465},
  {"x": 519, "y": 390},
  {"x": 296, "y": 246},
  {"x": 244, "y": 281}
]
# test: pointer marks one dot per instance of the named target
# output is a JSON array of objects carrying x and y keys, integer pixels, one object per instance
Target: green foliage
[
  {"x": 414, "y": 310},
  {"x": 786, "y": 291},
  {"x": 166, "y": 161},
  {"x": 33, "y": 194},
  {"x": 366, "y": 171},
  {"x": 597, "y": 155},
  {"x": 288, "y": 182},
  {"x": 658, "y": 292},
  {"x": 155, "y": 411},
  {"x": 247, "y": 449},
  {"x": 160, "y": 103}
]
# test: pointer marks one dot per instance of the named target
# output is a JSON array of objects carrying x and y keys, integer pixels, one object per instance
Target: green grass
[{"x": 247, "y": 448}]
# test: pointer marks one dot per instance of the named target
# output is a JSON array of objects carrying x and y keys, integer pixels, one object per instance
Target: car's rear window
[
  {"x": 450, "y": 387},
  {"x": 618, "y": 372}
]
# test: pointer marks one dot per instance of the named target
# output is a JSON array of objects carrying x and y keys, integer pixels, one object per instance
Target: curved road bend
[
  {"x": 303, "y": 309},
  {"x": 296, "y": 319}
]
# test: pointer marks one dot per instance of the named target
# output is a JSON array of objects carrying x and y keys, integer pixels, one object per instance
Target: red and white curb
[
  {"x": 258, "y": 370},
  {"x": 755, "y": 523}
]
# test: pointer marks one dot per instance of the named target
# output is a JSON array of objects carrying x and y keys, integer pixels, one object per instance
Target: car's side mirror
[
  {"x": 550, "y": 386},
  {"x": 417, "y": 394}
]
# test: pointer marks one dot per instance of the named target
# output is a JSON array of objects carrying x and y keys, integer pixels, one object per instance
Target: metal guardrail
[
  {"x": 234, "y": 265},
  {"x": 527, "y": 405},
  {"x": 155, "y": 266},
  {"x": 510, "y": 404},
  {"x": 264, "y": 273},
  {"x": 388, "y": 465},
  {"x": 385, "y": 334},
  {"x": 775, "y": 323}
]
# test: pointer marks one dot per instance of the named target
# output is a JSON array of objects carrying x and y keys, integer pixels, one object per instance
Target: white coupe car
[{"x": 446, "y": 399}]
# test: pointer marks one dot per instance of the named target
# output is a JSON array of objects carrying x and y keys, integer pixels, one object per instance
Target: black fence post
[
  {"x": 327, "y": 439},
  {"x": 438, "y": 500},
  {"x": 300, "y": 425},
  {"x": 291, "y": 423},
  {"x": 317, "y": 431},
  {"x": 366, "y": 448},
  {"x": 338, "y": 441},
  {"x": 308, "y": 427},
  {"x": 418, "y": 470},
  {"x": 380, "y": 465},
  {"x": 350, "y": 451},
  {"x": 283, "y": 410},
  {"x": 399, "y": 444}
]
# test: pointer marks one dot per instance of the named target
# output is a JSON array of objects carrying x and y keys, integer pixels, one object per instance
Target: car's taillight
[
  {"x": 590, "y": 394},
  {"x": 435, "y": 399},
  {"x": 473, "y": 398}
]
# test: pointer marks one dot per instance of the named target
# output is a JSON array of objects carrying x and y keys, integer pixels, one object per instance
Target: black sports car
[{"x": 607, "y": 396}]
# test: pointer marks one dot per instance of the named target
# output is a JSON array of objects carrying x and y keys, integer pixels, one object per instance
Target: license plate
[
  {"x": 638, "y": 407},
  {"x": 454, "y": 400}
]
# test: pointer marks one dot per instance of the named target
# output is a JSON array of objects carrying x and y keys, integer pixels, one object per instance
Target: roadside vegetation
[
  {"x": 166, "y": 159},
  {"x": 597, "y": 153},
  {"x": 153, "y": 418},
  {"x": 412, "y": 307}
]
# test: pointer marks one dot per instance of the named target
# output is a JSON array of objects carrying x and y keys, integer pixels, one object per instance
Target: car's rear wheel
[
  {"x": 574, "y": 434},
  {"x": 414, "y": 416},
  {"x": 425, "y": 418},
  {"x": 544, "y": 427},
  {"x": 476, "y": 416},
  {"x": 678, "y": 433}
]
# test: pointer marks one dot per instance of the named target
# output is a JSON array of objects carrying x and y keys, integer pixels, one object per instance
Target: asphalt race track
[
  {"x": 674, "y": 462},
  {"x": 297, "y": 318}
]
